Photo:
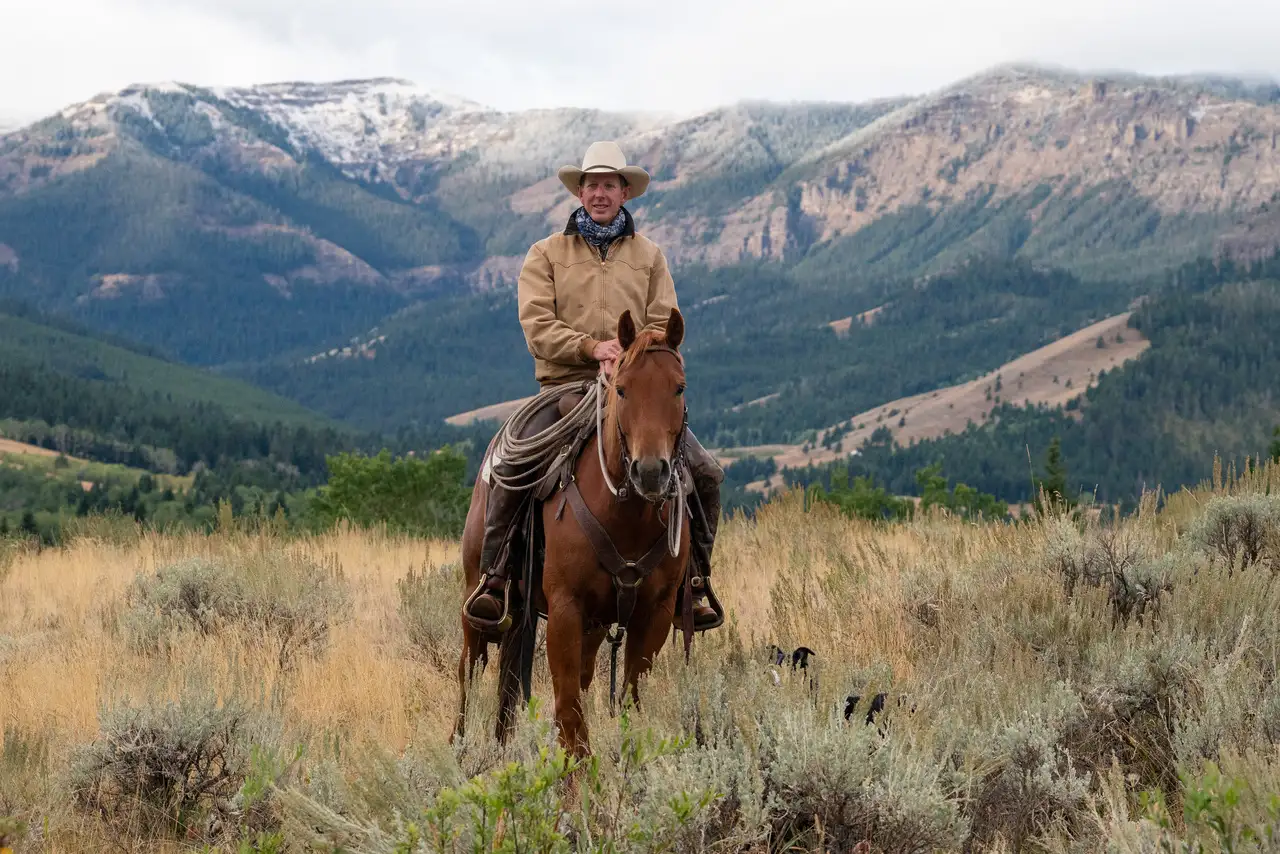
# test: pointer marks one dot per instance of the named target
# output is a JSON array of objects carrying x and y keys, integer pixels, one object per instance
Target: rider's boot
[
  {"x": 488, "y": 608},
  {"x": 707, "y": 475}
]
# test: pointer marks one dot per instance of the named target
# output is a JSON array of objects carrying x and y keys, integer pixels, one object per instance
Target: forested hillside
[
  {"x": 154, "y": 440},
  {"x": 36, "y": 341},
  {"x": 1206, "y": 387},
  {"x": 757, "y": 331}
]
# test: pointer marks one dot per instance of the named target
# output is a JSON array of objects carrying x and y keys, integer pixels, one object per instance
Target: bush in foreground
[
  {"x": 289, "y": 600},
  {"x": 172, "y": 769}
]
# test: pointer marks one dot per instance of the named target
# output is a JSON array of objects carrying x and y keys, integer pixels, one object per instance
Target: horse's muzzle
[{"x": 651, "y": 476}]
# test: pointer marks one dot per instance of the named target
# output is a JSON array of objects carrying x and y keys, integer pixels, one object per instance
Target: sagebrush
[{"x": 1057, "y": 683}]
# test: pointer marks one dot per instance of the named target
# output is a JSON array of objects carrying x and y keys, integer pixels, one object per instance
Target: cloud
[{"x": 662, "y": 54}]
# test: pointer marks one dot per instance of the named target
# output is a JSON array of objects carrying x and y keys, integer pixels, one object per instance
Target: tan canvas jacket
[{"x": 570, "y": 298}]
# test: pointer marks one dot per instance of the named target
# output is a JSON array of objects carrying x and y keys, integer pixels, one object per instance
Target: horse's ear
[
  {"x": 626, "y": 330},
  {"x": 675, "y": 329}
]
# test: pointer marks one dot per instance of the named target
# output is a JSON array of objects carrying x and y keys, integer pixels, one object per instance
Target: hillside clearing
[
  {"x": 87, "y": 472},
  {"x": 492, "y": 412},
  {"x": 9, "y": 446},
  {"x": 842, "y": 326},
  {"x": 1052, "y": 375}
]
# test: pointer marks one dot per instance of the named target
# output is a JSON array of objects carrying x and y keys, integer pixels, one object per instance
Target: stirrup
[
  {"x": 498, "y": 626},
  {"x": 696, "y": 585}
]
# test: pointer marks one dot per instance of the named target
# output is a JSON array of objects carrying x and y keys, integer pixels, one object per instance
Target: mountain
[{"x": 352, "y": 245}]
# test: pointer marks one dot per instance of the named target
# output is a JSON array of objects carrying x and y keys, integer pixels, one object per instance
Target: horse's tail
[{"x": 508, "y": 681}]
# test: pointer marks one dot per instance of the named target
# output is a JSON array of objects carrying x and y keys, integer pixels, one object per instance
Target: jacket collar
[{"x": 628, "y": 228}]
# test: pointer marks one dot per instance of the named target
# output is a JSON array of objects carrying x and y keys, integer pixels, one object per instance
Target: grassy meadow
[{"x": 1053, "y": 685}]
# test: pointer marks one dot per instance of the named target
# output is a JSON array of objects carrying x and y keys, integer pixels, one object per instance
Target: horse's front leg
[
  {"x": 646, "y": 633},
  {"x": 564, "y": 659}
]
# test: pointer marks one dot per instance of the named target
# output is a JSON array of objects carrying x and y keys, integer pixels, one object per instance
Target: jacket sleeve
[
  {"x": 548, "y": 337},
  {"x": 662, "y": 295}
]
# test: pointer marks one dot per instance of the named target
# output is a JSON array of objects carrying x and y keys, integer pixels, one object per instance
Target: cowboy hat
[{"x": 605, "y": 157}]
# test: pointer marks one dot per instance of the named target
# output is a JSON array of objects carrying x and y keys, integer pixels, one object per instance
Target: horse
[{"x": 582, "y": 591}]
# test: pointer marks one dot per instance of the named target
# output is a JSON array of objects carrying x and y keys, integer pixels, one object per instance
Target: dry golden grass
[{"x": 971, "y": 620}]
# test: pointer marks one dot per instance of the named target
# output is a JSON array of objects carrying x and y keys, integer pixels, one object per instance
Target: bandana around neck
[{"x": 596, "y": 234}]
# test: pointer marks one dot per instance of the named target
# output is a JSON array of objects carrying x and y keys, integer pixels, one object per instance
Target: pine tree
[
  {"x": 1274, "y": 451},
  {"x": 1053, "y": 486},
  {"x": 29, "y": 525}
]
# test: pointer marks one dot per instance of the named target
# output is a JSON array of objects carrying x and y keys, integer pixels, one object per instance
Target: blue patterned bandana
[{"x": 599, "y": 236}]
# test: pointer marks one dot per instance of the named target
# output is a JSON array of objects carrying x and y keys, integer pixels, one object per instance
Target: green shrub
[
  {"x": 409, "y": 495},
  {"x": 863, "y": 499},
  {"x": 290, "y": 600},
  {"x": 11, "y": 830},
  {"x": 522, "y": 805},
  {"x": 1234, "y": 807}
]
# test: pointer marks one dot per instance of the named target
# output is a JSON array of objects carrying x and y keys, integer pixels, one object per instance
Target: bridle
[{"x": 623, "y": 492}]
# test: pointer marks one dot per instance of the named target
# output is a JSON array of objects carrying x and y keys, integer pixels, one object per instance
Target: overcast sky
[{"x": 654, "y": 54}]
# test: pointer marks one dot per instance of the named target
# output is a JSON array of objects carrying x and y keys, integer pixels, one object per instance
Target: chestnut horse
[{"x": 643, "y": 430}]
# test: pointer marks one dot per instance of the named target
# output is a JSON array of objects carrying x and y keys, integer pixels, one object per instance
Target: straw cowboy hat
[{"x": 605, "y": 157}]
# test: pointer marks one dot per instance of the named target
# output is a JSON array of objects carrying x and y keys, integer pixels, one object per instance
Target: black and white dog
[{"x": 799, "y": 658}]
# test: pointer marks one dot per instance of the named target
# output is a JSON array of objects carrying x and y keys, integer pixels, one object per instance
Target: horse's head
[{"x": 647, "y": 403}]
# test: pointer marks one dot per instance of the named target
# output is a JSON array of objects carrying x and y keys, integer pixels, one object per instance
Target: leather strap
[
  {"x": 627, "y": 574},
  {"x": 686, "y": 618}
]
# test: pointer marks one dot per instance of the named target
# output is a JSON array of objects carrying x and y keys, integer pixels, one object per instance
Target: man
[{"x": 573, "y": 287}]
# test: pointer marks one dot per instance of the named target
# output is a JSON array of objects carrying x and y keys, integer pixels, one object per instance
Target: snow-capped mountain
[{"x": 158, "y": 193}]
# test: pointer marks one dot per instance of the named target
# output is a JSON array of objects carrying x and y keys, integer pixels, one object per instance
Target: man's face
[{"x": 602, "y": 196}]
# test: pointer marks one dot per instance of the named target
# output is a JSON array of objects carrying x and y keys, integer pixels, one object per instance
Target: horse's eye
[
  {"x": 679, "y": 390},
  {"x": 621, "y": 392}
]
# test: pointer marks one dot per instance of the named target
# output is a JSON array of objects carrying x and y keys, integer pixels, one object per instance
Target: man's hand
[{"x": 607, "y": 353}]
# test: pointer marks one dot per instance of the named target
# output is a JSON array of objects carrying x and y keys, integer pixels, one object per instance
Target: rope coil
[{"x": 529, "y": 456}]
